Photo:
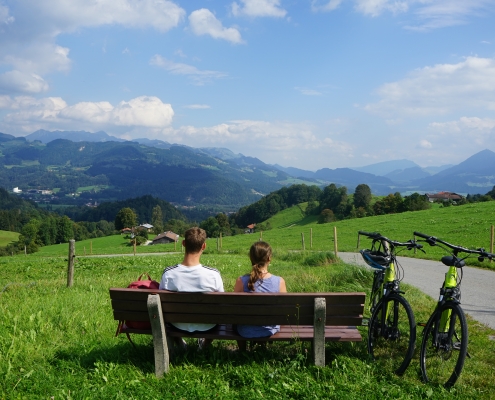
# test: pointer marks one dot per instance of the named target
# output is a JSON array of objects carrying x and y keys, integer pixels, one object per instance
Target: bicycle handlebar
[
  {"x": 432, "y": 241},
  {"x": 410, "y": 244}
]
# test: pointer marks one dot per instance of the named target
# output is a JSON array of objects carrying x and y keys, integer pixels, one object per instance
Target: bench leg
[
  {"x": 319, "y": 332},
  {"x": 159, "y": 335}
]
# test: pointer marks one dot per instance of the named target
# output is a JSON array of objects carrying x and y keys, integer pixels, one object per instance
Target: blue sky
[{"x": 307, "y": 84}]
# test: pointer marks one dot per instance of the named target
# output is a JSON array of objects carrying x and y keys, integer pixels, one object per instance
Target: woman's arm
[
  {"x": 239, "y": 287},
  {"x": 282, "y": 287}
]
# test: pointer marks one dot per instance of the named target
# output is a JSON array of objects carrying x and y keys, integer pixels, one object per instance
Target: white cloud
[
  {"x": 28, "y": 114},
  {"x": 198, "y": 76},
  {"x": 439, "y": 89},
  {"x": 203, "y": 22},
  {"x": 467, "y": 131},
  {"x": 198, "y": 106},
  {"x": 20, "y": 82},
  {"x": 286, "y": 143},
  {"x": 308, "y": 92},
  {"x": 444, "y": 13},
  {"x": 5, "y": 17},
  {"x": 425, "y": 144},
  {"x": 425, "y": 14},
  {"x": 377, "y": 7},
  {"x": 30, "y": 27},
  {"x": 327, "y": 5},
  {"x": 258, "y": 8},
  {"x": 464, "y": 136},
  {"x": 62, "y": 16}
]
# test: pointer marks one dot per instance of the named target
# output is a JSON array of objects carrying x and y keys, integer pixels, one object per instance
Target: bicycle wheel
[
  {"x": 392, "y": 333},
  {"x": 443, "y": 353}
]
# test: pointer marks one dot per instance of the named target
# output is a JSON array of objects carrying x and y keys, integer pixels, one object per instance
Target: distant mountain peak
[
  {"x": 386, "y": 167},
  {"x": 74, "y": 136}
]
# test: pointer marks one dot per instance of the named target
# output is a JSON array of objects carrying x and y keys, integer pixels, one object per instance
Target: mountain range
[{"x": 117, "y": 169}]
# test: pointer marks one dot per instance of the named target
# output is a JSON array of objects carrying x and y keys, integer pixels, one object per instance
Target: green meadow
[
  {"x": 58, "y": 342},
  {"x": 7, "y": 237}
]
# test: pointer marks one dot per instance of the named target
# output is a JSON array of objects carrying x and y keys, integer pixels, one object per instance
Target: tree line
[{"x": 330, "y": 204}]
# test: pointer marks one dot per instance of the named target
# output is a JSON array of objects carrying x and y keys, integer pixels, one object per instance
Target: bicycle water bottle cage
[
  {"x": 376, "y": 259},
  {"x": 451, "y": 261}
]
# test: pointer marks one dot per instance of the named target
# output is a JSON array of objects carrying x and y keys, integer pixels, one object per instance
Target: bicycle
[
  {"x": 391, "y": 327},
  {"x": 445, "y": 335}
]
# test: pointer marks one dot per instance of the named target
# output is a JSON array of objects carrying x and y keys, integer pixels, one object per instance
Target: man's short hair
[{"x": 194, "y": 239}]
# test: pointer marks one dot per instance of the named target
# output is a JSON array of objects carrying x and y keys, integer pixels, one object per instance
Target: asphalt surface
[{"x": 477, "y": 287}]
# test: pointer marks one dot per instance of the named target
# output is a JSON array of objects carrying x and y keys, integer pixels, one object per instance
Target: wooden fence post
[
  {"x": 218, "y": 243},
  {"x": 358, "y": 242},
  {"x": 70, "y": 266},
  {"x": 335, "y": 247},
  {"x": 261, "y": 235},
  {"x": 134, "y": 246},
  {"x": 302, "y": 240}
]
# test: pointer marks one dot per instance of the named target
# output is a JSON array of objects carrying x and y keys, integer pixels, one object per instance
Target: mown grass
[
  {"x": 7, "y": 237},
  {"x": 58, "y": 342}
]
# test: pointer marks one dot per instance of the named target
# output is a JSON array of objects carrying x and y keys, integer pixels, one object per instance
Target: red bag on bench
[{"x": 142, "y": 284}]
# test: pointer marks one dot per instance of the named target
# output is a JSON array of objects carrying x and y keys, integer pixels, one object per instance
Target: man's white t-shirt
[{"x": 199, "y": 278}]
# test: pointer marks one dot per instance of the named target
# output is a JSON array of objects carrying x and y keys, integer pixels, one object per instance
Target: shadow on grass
[{"x": 220, "y": 353}]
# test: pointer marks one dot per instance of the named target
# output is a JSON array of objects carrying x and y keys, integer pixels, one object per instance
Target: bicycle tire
[
  {"x": 391, "y": 340},
  {"x": 442, "y": 363}
]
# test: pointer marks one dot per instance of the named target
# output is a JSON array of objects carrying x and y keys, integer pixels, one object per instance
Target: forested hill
[
  {"x": 121, "y": 170},
  {"x": 142, "y": 206}
]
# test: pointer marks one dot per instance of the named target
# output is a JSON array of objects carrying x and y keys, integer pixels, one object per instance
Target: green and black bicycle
[
  {"x": 445, "y": 335},
  {"x": 391, "y": 327}
]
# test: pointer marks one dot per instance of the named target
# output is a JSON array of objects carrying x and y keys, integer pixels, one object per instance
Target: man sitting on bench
[{"x": 192, "y": 276}]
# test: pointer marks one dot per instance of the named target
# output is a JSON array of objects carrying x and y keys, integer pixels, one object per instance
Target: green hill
[
  {"x": 7, "y": 237},
  {"x": 468, "y": 225}
]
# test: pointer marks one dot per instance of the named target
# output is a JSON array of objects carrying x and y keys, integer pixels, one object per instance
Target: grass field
[
  {"x": 58, "y": 342},
  {"x": 468, "y": 226},
  {"x": 7, "y": 237}
]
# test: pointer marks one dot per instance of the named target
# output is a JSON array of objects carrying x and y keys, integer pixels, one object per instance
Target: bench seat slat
[
  {"x": 350, "y": 319},
  {"x": 287, "y": 332}
]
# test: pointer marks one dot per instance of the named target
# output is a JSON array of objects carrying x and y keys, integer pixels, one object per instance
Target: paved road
[{"x": 478, "y": 285}]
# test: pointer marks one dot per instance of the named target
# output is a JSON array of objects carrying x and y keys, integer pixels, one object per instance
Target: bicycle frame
[{"x": 448, "y": 293}]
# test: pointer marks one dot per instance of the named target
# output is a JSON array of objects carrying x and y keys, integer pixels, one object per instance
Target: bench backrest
[{"x": 239, "y": 308}]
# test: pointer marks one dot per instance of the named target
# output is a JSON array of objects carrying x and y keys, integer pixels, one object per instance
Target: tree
[
  {"x": 125, "y": 218},
  {"x": 65, "y": 231},
  {"x": 326, "y": 216},
  {"x": 211, "y": 227},
  {"x": 223, "y": 222},
  {"x": 157, "y": 219},
  {"x": 362, "y": 196}
]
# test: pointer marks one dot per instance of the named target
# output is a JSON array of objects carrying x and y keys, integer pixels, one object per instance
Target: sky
[{"x": 309, "y": 84}]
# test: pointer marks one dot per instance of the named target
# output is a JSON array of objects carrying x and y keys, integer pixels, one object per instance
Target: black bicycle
[
  {"x": 445, "y": 335},
  {"x": 391, "y": 327}
]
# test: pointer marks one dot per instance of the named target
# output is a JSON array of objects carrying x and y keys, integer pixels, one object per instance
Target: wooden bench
[{"x": 318, "y": 317}]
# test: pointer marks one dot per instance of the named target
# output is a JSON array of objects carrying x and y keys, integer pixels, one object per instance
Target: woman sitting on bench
[{"x": 259, "y": 280}]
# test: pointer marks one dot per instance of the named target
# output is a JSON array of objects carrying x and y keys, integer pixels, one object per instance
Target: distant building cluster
[{"x": 443, "y": 196}]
